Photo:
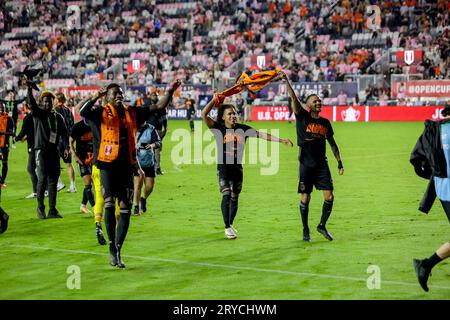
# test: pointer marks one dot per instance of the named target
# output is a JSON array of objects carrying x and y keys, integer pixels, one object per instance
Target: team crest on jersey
[{"x": 108, "y": 150}]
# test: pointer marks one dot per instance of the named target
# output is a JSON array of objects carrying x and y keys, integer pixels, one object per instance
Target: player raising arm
[
  {"x": 312, "y": 131},
  {"x": 231, "y": 137}
]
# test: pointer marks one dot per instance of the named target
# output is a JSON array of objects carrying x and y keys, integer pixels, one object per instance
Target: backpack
[{"x": 146, "y": 157}]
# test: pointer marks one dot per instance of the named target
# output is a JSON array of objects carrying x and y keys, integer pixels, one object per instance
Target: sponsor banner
[
  {"x": 276, "y": 113},
  {"x": 402, "y": 113},
  {"x": 354, "y": 113},
  {"x": 333, "y": 88},
  {"x": 349, "y": 114},
  {"x": 136, "y": 65},
  {"x": 408, "y": 57},
  {"x": 181, "y": 113},
  {"x": 425, "y": 88},
  {"x": 82, "y": 91},
  {"x": 260, "y": 62}
]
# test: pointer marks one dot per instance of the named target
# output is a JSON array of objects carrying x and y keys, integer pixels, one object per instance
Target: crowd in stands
[{"x": 200, "y": 41}]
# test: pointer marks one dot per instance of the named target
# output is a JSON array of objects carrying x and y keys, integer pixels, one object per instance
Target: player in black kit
[
  {"x": 231, "y": 137},
  {"x": 312, "y": 131}
]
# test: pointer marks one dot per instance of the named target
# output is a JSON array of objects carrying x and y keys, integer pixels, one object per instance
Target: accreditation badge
[{"x": 52, "y": 138}]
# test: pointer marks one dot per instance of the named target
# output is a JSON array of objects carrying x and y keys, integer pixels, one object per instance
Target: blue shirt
[{"x": 442, "y": 185}]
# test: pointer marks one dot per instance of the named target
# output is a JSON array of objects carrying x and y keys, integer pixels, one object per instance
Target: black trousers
[
  {"x": 31, "y": 168},
  {"x": 48, "y": 170}
]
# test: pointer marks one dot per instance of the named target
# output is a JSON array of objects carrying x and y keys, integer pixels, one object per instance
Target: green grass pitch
[{"x": 177, "y": 250}]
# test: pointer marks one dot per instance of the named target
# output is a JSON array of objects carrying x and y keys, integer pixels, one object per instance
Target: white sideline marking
[{"x": 214, "y": 265}]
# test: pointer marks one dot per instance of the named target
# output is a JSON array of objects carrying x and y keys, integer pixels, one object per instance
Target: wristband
[{"x": 340, "y": 165}]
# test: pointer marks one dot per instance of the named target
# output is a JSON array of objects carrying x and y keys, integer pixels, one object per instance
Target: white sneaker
[
  {"x": 229, "y": 233},
  {"x": 60, "y": 186},
  {"x": 234, "y": 229},
  {"x": 72, "y": 190},
  {"x": 31, "y": 195}
]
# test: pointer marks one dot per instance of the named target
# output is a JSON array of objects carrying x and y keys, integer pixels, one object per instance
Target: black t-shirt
[
  {"x": 189, "y": 104},
  {"x": 82, "y": 134},
  {"x": 231, "y": 143},
  {"x": 311, "y": 136}
]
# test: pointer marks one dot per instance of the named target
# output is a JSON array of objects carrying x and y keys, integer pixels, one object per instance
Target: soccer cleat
[
  {"x": 143, "y": 205},
  {"x": 31, "y": 195},
  {"x": 99, "y": 233},
  {"x": 112, "y": 255},
  {"x": 53, "y": 215},
  {"x": 229, "y": 233},
  {"x": 41, "y": 213},
  {"x": 84, "y": 209},
  {"x": 422, "y": 273},
  {"x": 71, "y": 190},
  {"x": 306, "y": 236},
  {"x": 120, "y": 262},
  {"x": 324, "y": 232},
  {"x": 136, "y": 211},
  {"x": 234, "y": 229},
  {"x": 4, "y": 222},
  {"x": 60, "y": 186}
]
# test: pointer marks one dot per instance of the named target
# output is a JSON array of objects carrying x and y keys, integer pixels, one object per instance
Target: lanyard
[{"x": 49, "y": 123}]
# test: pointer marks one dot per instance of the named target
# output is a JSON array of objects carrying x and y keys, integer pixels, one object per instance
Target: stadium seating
[{"x": 194, "y": 35}]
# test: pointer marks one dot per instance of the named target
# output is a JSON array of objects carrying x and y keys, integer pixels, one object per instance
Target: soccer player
[
  {"x": 147, "y": 142},
  {"x": 80, "y": 141},
  {"x": 49, "y": 130},
  {"x": 6, "y": 131},
  {"x": 312, "y": 131},
  {"x": 231, "y": 137},
  {"x": 114, "y": 127},
  {"x": 12, "y": 107},
  {"x": 191, "y": 110},
  {"x": 27, "y": 133},
  {"x": 67, "y": 115},
  {"x": 158, "y": 119},
  {"x": 431, "y": 160}
]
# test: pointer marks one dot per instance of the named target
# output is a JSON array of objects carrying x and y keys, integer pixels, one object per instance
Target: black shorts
[
  {"x": 150, "y": 172},
  {"x": 230, "y": 177},
  {"x": 84, "y": 170},
  {"x": 117, "y": 184},
  {"x": 319, "y": 176}
]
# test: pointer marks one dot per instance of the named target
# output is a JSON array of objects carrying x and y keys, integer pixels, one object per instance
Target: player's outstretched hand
[
  {"x": 176, "y": 84},
  {"x": 282, "y": 75},
  {"x": 287, "y": 142}
]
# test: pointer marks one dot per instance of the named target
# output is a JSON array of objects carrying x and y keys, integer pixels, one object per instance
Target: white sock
[{"x": 72, "y": 184}]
